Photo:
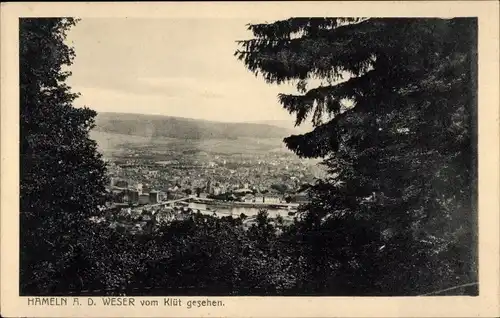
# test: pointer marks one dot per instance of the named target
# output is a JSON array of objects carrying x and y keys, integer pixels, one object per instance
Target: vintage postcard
[{"x": 250, "y": 159}]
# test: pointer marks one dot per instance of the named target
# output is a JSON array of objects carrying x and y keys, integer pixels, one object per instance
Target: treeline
[
  {"x": 205, "y": 255},
  {"x": 395, "y": 122}
]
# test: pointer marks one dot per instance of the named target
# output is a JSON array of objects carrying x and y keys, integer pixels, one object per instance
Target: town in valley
[{"x": 159, "y": 180}]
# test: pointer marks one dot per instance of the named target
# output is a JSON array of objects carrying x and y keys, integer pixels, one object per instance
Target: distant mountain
[{"x": 184, "y": 128}]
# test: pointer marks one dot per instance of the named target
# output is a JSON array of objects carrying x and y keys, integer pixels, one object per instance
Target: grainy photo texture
[{"x": 300, "y": 157}]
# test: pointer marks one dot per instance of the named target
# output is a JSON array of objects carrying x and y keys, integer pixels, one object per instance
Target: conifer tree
[
  {"x": 62, "y": 175},
  {"x": 394, "y": 119}
]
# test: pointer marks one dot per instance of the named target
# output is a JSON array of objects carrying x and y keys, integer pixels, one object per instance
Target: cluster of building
[
  {"x": 219, "y": 175},
  {"x": 146, "y": 219},
  {"x": 136, "y": 195}
]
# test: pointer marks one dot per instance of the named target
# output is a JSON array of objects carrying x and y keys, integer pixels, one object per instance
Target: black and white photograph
[{"x": 223, "y": 157}]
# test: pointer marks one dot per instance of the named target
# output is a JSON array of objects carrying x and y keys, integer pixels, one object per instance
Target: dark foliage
[{"x": 62, "y": 176}]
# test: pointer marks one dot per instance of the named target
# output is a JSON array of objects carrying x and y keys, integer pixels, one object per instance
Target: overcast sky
[{"x": 175, "y": 67}]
